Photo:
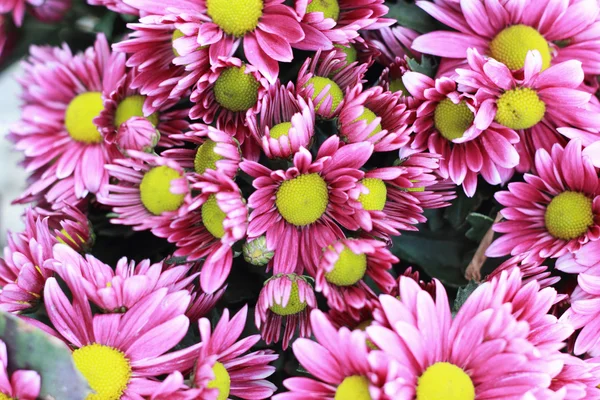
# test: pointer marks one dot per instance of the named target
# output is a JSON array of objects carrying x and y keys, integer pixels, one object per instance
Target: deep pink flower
[
  {"x": 20, "y": 384},
  {"x": 532, "y": 268},
  {"x": 553, "y": 212},
  {"x": 46, "y": 10},
  {"x": 391, "y": 80},
  {"x": 579, "y": 379},
  {"x": 69, "y": 225},
  {"x": 394, "y": 43}
]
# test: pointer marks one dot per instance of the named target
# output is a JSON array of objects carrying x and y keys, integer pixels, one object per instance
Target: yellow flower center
[
  {"x": 348, "y": 269},
  {"x": 375, "y": 199},
  {"x": 512, "y": 44},
  {"x": 520, "y": 108},
  {"x": 302, "y": 200},
  {"x": 319, "y": 83},
  {"x": 235, "y": 90},
  {"x": 280, "y": 130},
  {"x": 70, "y": 241},
  {"x": 106, "y": 370},
  {"x": 235, "y": 17},
  {"x": 79, "y": 117},
  {"x": 176, "y": 35},
  {"x": 569, "y": 215},
  {"x": 416, "y": 189},
  {"x": 396, "y": 85},
  {"x": 445, "y": 381},
  {"x": 354, "y": 387},
  {"x": 294, "y": 305},
  {"x": 362, "y": 327},
  {"x": 132, "y": 107},
  {"x": 206, "y": 158},
  {"x": 452, "y": 120},
  {"x": 369, "y": 116},
  {"x": 222, "y": 381},
  {"x": 5, "y": 397},
  {"x": 329, "y": 8},
  {"x": 351, "y": 55},
  {"x": 213, "y": 217},
  {"x": 155, "y": 190}
]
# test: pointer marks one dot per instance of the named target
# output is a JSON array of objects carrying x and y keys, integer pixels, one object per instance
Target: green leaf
[
  {"x": 31, "y": 348},
  {"x": 106, "y": 25},
  {"x": 480, "y": 225},
  {"x": 461, "y": 207},
  {"x": 428, "y": 65},
  {"x": 463, "y": 294},
  {"x": 413, "y": 17}
]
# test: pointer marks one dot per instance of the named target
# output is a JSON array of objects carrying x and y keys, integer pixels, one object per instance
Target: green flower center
[
  {"x": 294, "y": 305},
  {"x": 235, "y": 90},
  {"x": 375, "y": 199},
  {"x": 445, "y": 381},
  {"x": 329, "y": 8},
  {"x": 176, "y": 35},
  {"x": 512, "y": 44},
  {"x": 280, "y": 130},
  {"x": 79, "y": 117},
  {"x": 302, "y": 200},
  {"x": 256, "y": 252},
  {"x": 569, "y": 215},
  {"x": 155, "y": 190},
  {"x": 520, "y": 108},
  {"x": 362, "y": 327},
  {"x": 222, "y": 381},
  {"x": 452, "y": 120},
  {"x": 351, "y": 55},
  {"x": 130, "y": 107},
  {"x": 235, "y": 17},
  {"x": 369, "y": 116},
  {"x": 106, "y": 369},
  {"x": 206, "y": 158},
  {"x": 319, "y": 83},
  {"x": 213, "y": 217},
  {"x": 348, "y": 269},
  {"x": 354, "y": 387},
  {"x": 5, "y": 397}
]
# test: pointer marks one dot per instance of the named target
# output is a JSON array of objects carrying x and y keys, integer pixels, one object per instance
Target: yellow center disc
[
  {"x": 222, "y": 381},
  {"x": 348, "y": 269},
  {"x": 520, "y": 108},
  {"x": 452, "y": 120},
  {"x": 213, "y": 217},
  {"x": 235, "y": 17},
  {"x": 445, "y": 381},
  {"x": 375, "y": 199},
  {"x": 329, "y": 8},
  {"x": 302, "y": 200},
  {"x": 294, "y": 305},
  {"x": 569, "y": 215},
  {"x": 510, "y": 46},
  {"x": 235, "y": 90},
  {"x": 155, "y": 190},
  {"x": 79, "y": 117},
  {"x": 354, "y": 387},
  {"x": 132, "y": 107}
]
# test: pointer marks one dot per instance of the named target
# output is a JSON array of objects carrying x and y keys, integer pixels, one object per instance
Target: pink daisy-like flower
[
  {"x": 212, "y": 223},
  {"x": 70, "y": 226},
  {"x": 284, "y": 123},
  {"x": 47, "y": 10},
  {"x": 579, "y": 379},
  {"x": 344, "y": 265},
  {"x": 224, "y": 369},
  {"x": 338, "y": 362},
  {"x": 506, "y": 31},
  {"x": 120, "y": 354},
  {"x": 149, "y": 192},
  {"x": 202, "y": 303},
  {"x": 299, "y": 209},
  {"x": 374, "y": 116},
  {"x": 359, "y": 318},
  {"x": 391, "y": 80},
  {"x": 451, "y": 124},
  {"x": 20, "y": 384},
  {"x": 533, "y": 106},
  {"x": 502, "y": 343},
  {"x": 325, "y": 80},
  {"x": 267, "y": 28},
  {"x": 25, "y": 266},
  {"x": 553, "y": 212},
  {"x": 359, "y": 49},
  {"x": 62, "y": 94},
  {"x": 531, "y": 268},
  {"x": 394, "y": 43},
  {"x": 285, "y": 300}
]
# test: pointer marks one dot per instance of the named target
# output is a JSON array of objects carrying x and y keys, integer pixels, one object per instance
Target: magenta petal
[
  {"x": 26, "y": 384},
  {"x": 448, "y": 44},
  {"x": 257, "y": 57}
]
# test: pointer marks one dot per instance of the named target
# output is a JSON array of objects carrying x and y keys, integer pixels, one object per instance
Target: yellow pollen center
[
  {"x": 70, "y": 239},
  {"x": 369, "y": 116},
  {"x": 222, "y": 381},
  {"x": 452, "y": 120},
  {"x": 396, "y": 85},
  {"x": 176, "y": 35},
  {"x": 206, "y": 158},
  {"x": 569, "y": 215},
  {"x": 293, "y": 306},
  {"x": 329, "y": 8},
  {"x": 375, "y": 199},
  {"x": 5, "y": 397},
  {"x": 363, "y": 326},
  {"x": 351, "y": 55},
  {"x": 520, "y": 108},
  {"x": 132, "y": 107},
  {"x": 319, "y": 83},
  {"x": 416, "y": 188},
  {"x": 445, "y": 381},
  {"x": 155, "y": 190},
  {"x": 280, "y": 130},
  {"x": 213, "y": 217},
  {"x": 302, "y": 200},
  {"x": 512, "y": 44},
  {"x": 235, "y": 17},
  {"x": 80, "y": 115},
  {"x": 235, "y": 90},
  {"x": 354, "y": 387},
  {"x": 106, "y": 370},
  {"x": 348, "y": 269}
]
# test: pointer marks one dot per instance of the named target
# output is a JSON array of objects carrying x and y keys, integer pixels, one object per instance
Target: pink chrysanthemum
[
  {"x": 338, "y": 362},
  {"x": 359, "y": 318},
  {"x": 506, "y": 31},
  {"x": 120, "y": 354},
  {"x": 224, "y": 368},
  {"x": 47, "y": 10},
  {"x": 391, "y": 80},
  {"x": 20, "y": 384},
  {"x": 326, "y": 80},
  {"x": 149, "y": 192},
  {"x": 532, "y": 268},
  {"x": 533, "y": 106},
  {"x": 62, "y": 95},
  {"x": 394, "y": 43},
  {"x": 299, "y": 209},
  {"x": 579, "y": 379},
  {"x": 69, "y": 225},
  {"x": 284, "y": 123},
  {"x": 267, "y": 28},
  {"x": 451, "y": 124},
  {"x": 374, "y": 116},
  {"x": 554, "y": 212},
  {"x": 343, "y": 267},
  {"x": 285, "y": 301},
  {"x": 202, "y": 303},
  {"x": 435, "y": 356},
  {"x": 212, "y": 223},
  {"x": 25, "y": 266}
]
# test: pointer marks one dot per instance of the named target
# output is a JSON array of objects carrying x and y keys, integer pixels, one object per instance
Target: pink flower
[
  {"x": 531, "y": 268},
  {"x": 391, "y": 80},
  {"x": 284, "y": 301},
  {"x": 69, "y": 225},
  {"x": 299, "y": 209},
  {"x": 553, "y": 212},
  {"x": 394, "y": 43},
  {"x": 506, "y": 31},
  {"x": 117, "y": 6},
  {"x": 20, "y": 384},
  {"x": 224, "y": 365},
  {"x": 578, "y": 379},
  {"x": 47, "y": 10}
]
